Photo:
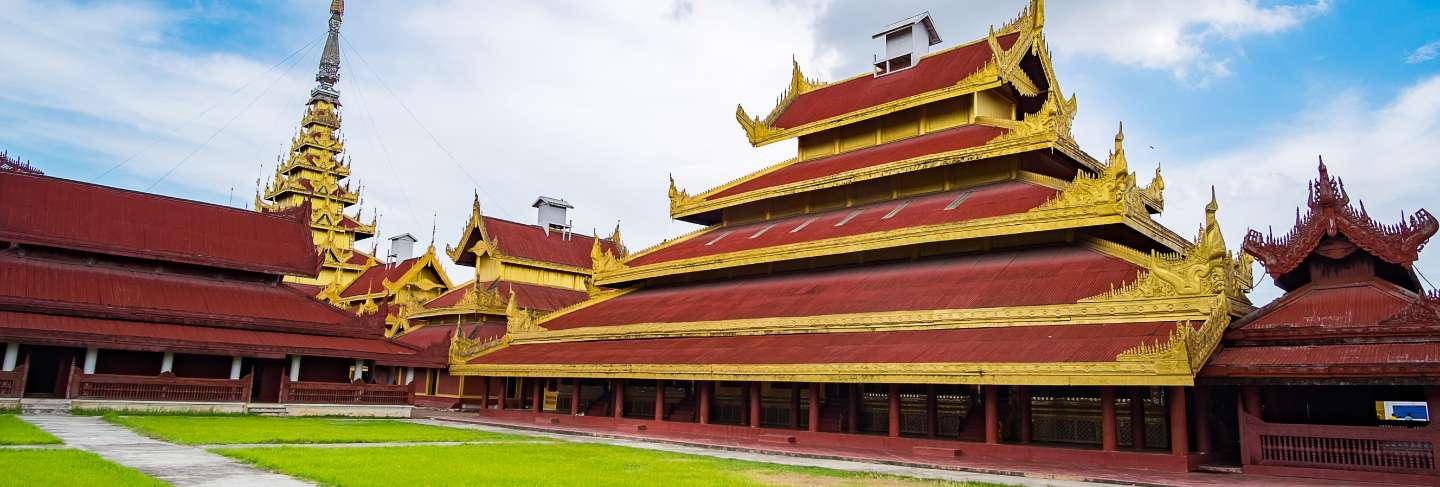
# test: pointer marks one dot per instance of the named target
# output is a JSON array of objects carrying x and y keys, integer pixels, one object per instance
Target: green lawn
[
  {"x": 67, "y": 468},
  {"x": 230, "y": 430},
  {"x": 560, "y": 463},
  {"x": 13, "y": 431}
]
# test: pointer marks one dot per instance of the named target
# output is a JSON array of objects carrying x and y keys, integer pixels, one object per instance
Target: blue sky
[{"x": 599, "y": 102}]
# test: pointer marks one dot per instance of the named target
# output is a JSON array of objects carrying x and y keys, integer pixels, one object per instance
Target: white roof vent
[
  {"x": 402, "y": 247},
  {"x": 550, "y": 213},
  {"x": 905, "y": 42}
]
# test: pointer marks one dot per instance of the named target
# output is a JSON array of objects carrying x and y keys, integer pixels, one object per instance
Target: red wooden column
[
  {"x": 1108, "y": 426},
  {"x": 894, "y": 393},
  {"x": 852, "y": 409},
  {"x": 538, "y": 395},
  {"x": 504, "y": 390},
  {"x": 795, "y": 406},
  {"x": 1250, "y": 398},
  {"x": 1137, "y": 418},
  {"x": 484, "y": 393},
  {"x": 575, "y": 397},
  {"x": 992, "y": 413},
  {"x": 1202, "y": 420},
  {"x": 659, "y": 400},
  {"x": 1179, "y": 437},
  {"x": 705, "y": 388},
  {"x": 755, "y": 404},
  {"x": 932, "y": 412},
  {"x": 1026, "y": 433},
  {"x": 617, "y": 397},
  {"x": 814, "y": 406}
]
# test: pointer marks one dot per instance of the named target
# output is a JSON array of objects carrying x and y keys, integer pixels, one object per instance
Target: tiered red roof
[
  {"x": 372, "y": 280},
  {"x": 1348, "y": 313},
  {"x": 527, "y": 296},
  {"x": 1009, "y": 344},
  {"x": 953, "y": 139},
  {"x": 55, "y": 212},
  {"x": 935, "y": 208},
  {"x": 530, "y": 242},
  {"x": 1027, "y": 277},
  {"x": 935, "y": 72},
  {"x": 135, "y": 271}
]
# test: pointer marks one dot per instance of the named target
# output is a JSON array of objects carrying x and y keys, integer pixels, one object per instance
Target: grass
[
  {"x": 64, "y": 467},
  {"x": 231, "y": 430},
  {"x": 544, "y": 464},
  {"x": 13, "y": 431}
]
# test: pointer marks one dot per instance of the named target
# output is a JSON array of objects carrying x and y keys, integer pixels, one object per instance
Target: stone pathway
[
  {"x": 375, "y": 445},
  {"x": 181, "y": 466},
  {"x": 846, "y": 465}
]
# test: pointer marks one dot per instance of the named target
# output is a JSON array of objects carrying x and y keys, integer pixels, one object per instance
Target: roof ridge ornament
[{"x": 1207, "y": 267}]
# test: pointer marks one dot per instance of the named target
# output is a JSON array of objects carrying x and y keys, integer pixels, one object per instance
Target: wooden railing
[
  {"x": 1363, "y": 448},
  {"x": 356, "y": 392},
  {"x": 165, "y": 387},
  {"x": 12, "y": 384}
]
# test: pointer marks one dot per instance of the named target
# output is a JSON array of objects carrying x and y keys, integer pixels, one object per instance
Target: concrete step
[
  {"x": 268, "y": 410},
  {"x": 935, "y": 452},
  {"x": 777, "y": 439},
  {"x": 45, "y": 406},
  {"x": 1218, "y": 468}
]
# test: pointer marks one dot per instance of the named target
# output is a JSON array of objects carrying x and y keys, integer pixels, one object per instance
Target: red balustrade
[
  {"x": 165, "y": 387},
  {"x": 12, "y": 384},
  {"x": 356, "y": 392},
  {"x": 1360, "y": 448}
]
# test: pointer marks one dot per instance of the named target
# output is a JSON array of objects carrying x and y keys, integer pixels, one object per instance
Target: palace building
[
  {"x": 939, "y": 271},
  {"x": 939, "y": 275},
  {"x": 520, "y": 269},
  {"x": 107, "y": 303},
  {"x": 1337, "y": 377}
]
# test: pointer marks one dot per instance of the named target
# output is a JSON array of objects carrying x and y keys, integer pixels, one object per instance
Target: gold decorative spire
[{"x": 313, "y": 170}]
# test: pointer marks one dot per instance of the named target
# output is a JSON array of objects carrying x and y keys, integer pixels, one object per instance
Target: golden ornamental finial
[{"x": 337, "y": 7}]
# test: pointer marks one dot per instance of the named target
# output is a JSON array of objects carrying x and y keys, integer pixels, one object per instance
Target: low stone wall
[
  {"x": 362, "y": 411},
  {"x": 157, "y": 406}
]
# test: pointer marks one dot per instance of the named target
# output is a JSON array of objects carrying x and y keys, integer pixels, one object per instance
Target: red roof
[
  {"x": 941, "y": 70},
  {"x": 981, "y": 202},
  {"x": 1407, "y": 360},
  {"x": 47, "y": 211},
  {"x": 109, "y": 291},
  {"x": 308, "y": 289},
  {"x": 542, "y": 298},
  {"x": 530, "y": 242},
  {"x": 433, "y": 341},
  {"x": 529, "y": 296},
  {"x": 1037, "y": 276},
  {"x": 1008, "y": 344},
  {"x": 952, "y": 139},
  {"x": 1334, "y": 306},
  {"x": 141, "y": 335},
  {"x": 372, "y": 280}
]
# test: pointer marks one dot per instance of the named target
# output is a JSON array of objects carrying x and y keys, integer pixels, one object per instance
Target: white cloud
[
  {"x": 1179, "y": 37},
  {"x": 594, "y": 102},
  {"x": 1382, "y": 153},
  {"x": 1424, "y": 53}
]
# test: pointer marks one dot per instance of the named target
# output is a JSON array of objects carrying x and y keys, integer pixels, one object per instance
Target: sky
[{"x": 600, "y": 102}]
